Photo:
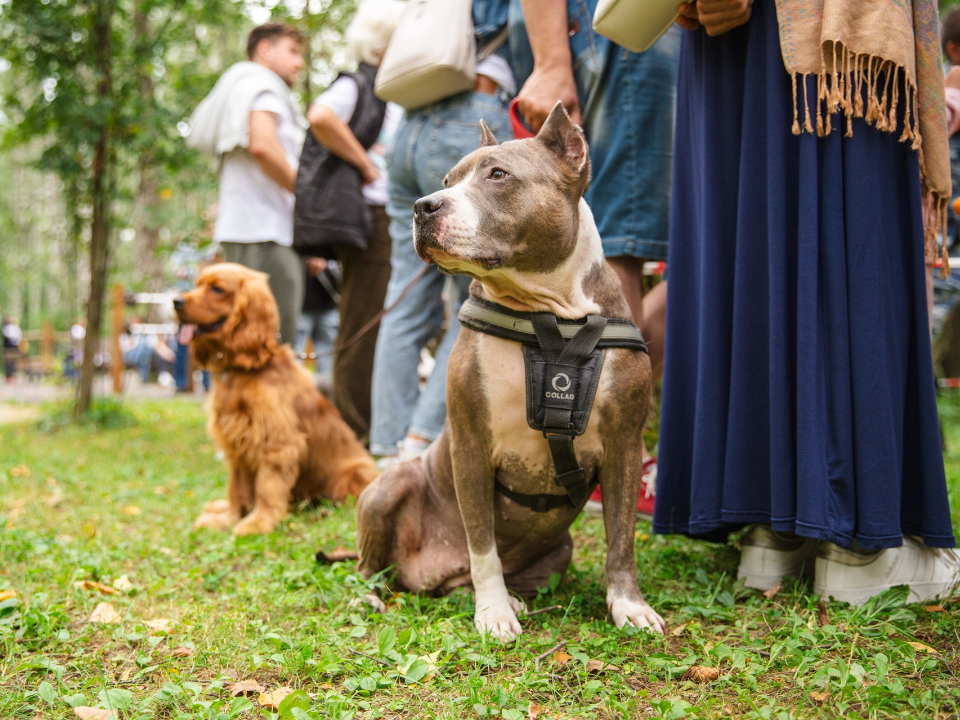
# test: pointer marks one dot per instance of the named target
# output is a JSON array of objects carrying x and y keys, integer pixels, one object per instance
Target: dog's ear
[
  {"x": 487, "y": 138},
  {"x": 562, "y": 137},
  {"x": 251, "y": 329}
]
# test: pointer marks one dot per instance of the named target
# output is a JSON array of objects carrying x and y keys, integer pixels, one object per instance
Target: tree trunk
[
  {"x": 100, "y": 196},
  {"x": 74, "y": 240},
  {"x": 149, "y": 264}
]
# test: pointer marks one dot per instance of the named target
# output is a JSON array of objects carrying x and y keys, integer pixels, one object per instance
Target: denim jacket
[{"x": 489, "y": 18}]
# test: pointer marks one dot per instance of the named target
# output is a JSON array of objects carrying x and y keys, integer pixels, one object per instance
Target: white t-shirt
[
  {"x": 341, "y": 97},
  {"x": 252, "y": 207}
]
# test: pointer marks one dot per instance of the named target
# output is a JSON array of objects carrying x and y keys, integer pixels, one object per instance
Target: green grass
[{"x": 101, "y": 504}]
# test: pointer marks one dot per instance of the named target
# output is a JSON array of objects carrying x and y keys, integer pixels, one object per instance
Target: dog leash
[{"x": 372, "y": 323}]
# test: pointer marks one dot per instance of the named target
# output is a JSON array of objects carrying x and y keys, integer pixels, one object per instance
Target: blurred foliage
[{"x": 165, "y": 57}]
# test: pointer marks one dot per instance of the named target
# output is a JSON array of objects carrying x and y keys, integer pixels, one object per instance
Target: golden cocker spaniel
[{"x": 282, "y": 440}]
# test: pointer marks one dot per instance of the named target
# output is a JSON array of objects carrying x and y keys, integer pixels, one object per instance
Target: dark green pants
[{"x": 285, "y": 269}]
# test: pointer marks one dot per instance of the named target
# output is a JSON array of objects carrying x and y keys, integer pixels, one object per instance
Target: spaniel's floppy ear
[{"x": 251, "y": 329}]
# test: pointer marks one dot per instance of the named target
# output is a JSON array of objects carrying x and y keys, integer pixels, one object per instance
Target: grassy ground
[{"x": 77, "y": 504}]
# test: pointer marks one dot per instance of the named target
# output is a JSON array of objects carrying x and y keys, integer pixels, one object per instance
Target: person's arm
[
  {"x": 267, "y": 151},
  {"x": 552, "y": 76},
  {"x": 952, "y": 98},
  {"x": 716, "y": 16},
  {"x": 336, "y": 136}
]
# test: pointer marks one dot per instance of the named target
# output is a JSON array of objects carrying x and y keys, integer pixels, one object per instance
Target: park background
[{"x": 98, "y": 188}]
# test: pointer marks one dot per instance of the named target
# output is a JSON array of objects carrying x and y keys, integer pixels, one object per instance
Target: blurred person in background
[
  {"x": 428, "y": 143},
  {"x": 253, "y": 126},
  {"x": 364, "y": 273},
  {"x": 12, "y": 339},
  {"x": 320, "y": 318}
]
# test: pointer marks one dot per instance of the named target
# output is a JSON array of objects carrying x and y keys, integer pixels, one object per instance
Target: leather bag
[
  {"x": 634, "y": 24},
  {"x": 431, "y": 56}
]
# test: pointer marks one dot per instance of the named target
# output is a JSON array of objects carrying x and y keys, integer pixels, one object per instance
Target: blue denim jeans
[
  {"x": 321, "y": 327},
  {"x": 427, "y": 144},
  {"x": 628, "y": 102}
]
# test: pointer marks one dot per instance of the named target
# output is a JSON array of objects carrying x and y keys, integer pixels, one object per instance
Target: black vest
[{"x": 330, "y": 211}]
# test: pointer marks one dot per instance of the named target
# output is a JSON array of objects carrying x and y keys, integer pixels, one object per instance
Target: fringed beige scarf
[{"x": 852, "y": 46}]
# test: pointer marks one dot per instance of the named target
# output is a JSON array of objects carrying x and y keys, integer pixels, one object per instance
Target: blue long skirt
[{"x": 798, "y": 388}]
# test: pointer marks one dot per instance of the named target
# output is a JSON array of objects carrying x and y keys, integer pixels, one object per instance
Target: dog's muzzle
[{"x": 212, "y": 327}]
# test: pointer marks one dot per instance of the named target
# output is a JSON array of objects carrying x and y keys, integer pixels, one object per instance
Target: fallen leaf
[
  {"x": 99, "y": 587},
  {"x": 91, "y": 713},
  {"x": 326, "y": 686},
  {"x": 823, "y": 617},
  {"x": 921, "y": 647},
  {"x": 375, "y": 602},
  {"x": 678, "y": 630},
  {"x": 339, "y": 555},
  {"x": 20, "y": 471},
  {"x": 181, "y": 651},
  {"x": 560, "y": 657},
  {"x": 701, "y": 674},
  {"x": 246, "y": 687},
  {"x": 771, "y": 593},
  {"x": 273, "y": 698},
  {"x": 933, "y": 608},
  {"x": 89, "y": 530},
  {"x": 728, "y": 710},
  {"x": 533, "y": 710},
  {"x": 7, "y": 594},
  {"x": 819, "y": 697},
  {"x": 160, "y": 625},
  {"x": 131, "y": 510},
  {"x": 104, "y": 614},
  {"x": 123, "y": 584},
  {"x": 595, "y": 665},
  {"x": 54, "y": 498},
  {"x": 812, "y": 620}
]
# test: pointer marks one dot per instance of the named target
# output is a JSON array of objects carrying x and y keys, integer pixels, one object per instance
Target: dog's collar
[
  {"x": 212, "y": 327},
  {"x": 495, "y": 319}
]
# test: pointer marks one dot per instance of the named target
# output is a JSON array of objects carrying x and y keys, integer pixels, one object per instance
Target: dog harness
[{"x": 562, "y": 360}]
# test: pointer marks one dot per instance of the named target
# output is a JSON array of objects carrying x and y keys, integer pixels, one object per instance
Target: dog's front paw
[
  {"x": 214, "y": 521},
  {"x": 255, "y": 523},
  {"x": 637, "y": 613},
  {"x": 499, "y": 618},
  {"x": 217, "y": 506}
]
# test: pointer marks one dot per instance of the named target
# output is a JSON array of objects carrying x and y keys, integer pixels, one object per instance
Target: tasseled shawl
[{"x": 852, "y": 46}]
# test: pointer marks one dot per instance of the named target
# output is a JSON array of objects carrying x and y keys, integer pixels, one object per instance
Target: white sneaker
[
  {"x": 854, "y": 575},
  {"x": 766, "y": 557}
]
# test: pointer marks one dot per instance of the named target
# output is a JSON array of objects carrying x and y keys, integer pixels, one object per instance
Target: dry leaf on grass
[
  {"x": 595, "y": 666},
  {"x": 678, "y": 630},
  {"x": 123, "y": 584},
  {"x": 91, "y": 713},
  {"x": 104, "y": 614},
  {"x": 99, "y": 587},
  {"x": 819, "y": 697},
  {"x": 20, "y": 471},
  {"x": 933, "y": 608},
  {"x": 341, "y": 554},
  {"x": 823, "y": 617},
  {"x": 246, "y": 687},
  {"x": 7, "y": 594},
  {"x": 273, "y": 698},
  {"x": 922, "y": 647},
  {"x": 560, "y": 657},
  {"x": 325, "y": 686},
  {"x": 771, "y": 593},
  {"x": 54, "y": 498},
  {"x": 160, "y": 625},
  {"x": 533, "y": 710},
  {"x": 131, "y": 510},
  {"x": 701, "y": 674},
  {"x": 181, "y": 651}
]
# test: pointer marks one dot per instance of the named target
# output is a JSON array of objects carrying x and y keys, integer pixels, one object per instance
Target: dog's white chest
[{"x": 514, "y": 441}]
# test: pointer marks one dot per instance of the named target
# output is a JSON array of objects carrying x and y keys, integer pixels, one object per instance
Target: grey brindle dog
[{"x": 512, "y": 217}]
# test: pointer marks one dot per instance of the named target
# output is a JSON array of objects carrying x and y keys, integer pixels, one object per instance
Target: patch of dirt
[{"x": 16, "y": 413}]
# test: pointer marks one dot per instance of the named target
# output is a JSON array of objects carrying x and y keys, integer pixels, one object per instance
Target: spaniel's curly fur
[{"x": 281, "y": 438}]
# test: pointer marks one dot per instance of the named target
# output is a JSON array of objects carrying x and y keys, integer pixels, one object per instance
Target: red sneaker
[{"x": 648, "y": 493}]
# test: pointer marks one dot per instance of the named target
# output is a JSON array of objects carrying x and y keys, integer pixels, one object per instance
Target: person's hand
[
  {"x": 542, "y": 90},
  {"x": 316, "y": 265},
  {"x": 716, "y": 16},
  {"x": 369, "y": 173},
  {"x": 953, "y": 77}
]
